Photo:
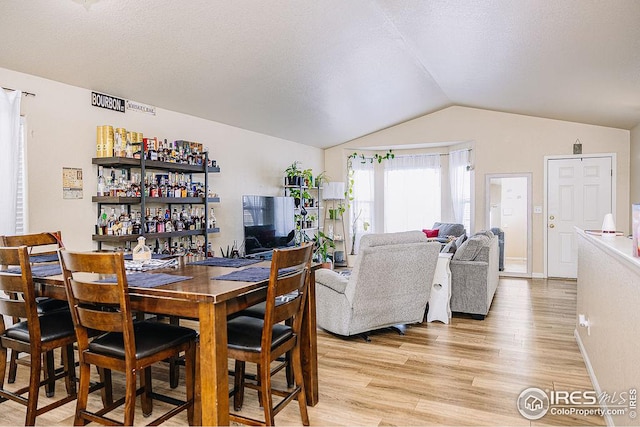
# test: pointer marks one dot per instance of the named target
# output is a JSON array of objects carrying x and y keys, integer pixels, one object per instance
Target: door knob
[
  {"x": 552, "y": 217},
  {"x": 551, "y": 226}
]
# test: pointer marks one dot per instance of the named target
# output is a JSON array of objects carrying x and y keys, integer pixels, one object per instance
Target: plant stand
[{"x": 333, "y": 224}]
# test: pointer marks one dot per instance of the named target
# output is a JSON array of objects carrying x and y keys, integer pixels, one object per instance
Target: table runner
[
  {"x": 251, "y": 274},
  {"x": 148, "y": 280},
  {"x": 43, "y": 270},
  {"x": 35, "y": 258},
  {"x": 226, "y": 262}
]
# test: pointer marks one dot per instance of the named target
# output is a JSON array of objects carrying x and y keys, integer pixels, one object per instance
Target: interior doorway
[
  {"x": 580, "y": 191},
  {"x": 508, "y": 204}
]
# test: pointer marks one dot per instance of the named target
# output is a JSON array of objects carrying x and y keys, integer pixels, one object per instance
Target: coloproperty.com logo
[{"x": 534, "y": 403}]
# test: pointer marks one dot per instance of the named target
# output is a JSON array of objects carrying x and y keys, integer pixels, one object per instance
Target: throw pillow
[
  {"x": 470, "y": 249},
  {"x": 430, "y": 233},
  {"x": 487, "y": 233},
  {"x": 460, "y": 240}
]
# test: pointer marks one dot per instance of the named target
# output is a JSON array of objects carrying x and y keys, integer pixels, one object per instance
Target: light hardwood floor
[{"x": 466, "y": 373}]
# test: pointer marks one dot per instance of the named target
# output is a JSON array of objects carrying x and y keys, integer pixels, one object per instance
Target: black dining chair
[
  {"x": 36, "y": 335},
  {"x": 122, "y": 344},
  {"x": 263, "y": 340},
  {"x": 42, "y": 248}
]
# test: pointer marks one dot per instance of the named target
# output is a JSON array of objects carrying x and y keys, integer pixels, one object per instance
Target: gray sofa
[
  {"x": 474, "y": 274},
  {"x": 390, "y": 285},
  {"x": 446, "y": 229}
]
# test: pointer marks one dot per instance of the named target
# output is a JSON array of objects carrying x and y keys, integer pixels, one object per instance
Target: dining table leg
[{"x": 214, "y": 389}]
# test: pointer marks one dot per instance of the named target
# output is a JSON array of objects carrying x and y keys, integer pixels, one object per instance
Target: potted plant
[
  {"x": 321, "y": 179},
  {"x": 295, "y": 193},
  {"x": 294, "y": 175},
  {"x": 307, "y": 176},
  {"x": 311, "y": 220},
  {"x": 308, "y": 201},
  {"x": 322, "y": 244}
]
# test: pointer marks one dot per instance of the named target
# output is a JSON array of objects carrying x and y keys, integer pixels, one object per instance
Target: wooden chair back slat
[
  {"x": 10, "y": 257},
  {"x": 91, "y": 262},
  {"x": 14, "y": 308},
  {"x": 11, "y": 283},
  {"x": 96, "y": 293},
  {"x": 101, "y": 320},
  {"x": 31, "y": 240}
]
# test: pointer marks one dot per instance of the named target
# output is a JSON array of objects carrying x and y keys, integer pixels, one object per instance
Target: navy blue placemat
[
  {"x": 149, "y": 280},
  {"x": 251, "y": 274},
  {"x": 226, "y": 262},
  {"x": 129, "y": 257},
  {"x": 35, "y": 258},
  {"x": 39, "y": 270}
]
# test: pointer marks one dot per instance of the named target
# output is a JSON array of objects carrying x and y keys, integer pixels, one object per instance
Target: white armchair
[{"x": 389, "y": 285}]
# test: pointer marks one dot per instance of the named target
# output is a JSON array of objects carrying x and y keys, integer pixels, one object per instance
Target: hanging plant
[{"x": 348, "y": 194}]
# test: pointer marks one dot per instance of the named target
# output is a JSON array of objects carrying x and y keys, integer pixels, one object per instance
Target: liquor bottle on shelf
[
  {"x": 155, "y": 187},
  {"x": 136, "y": 226},
  {"x": 102, "y": 222},
  {"x": 160, "y": 224},
  {"x": 163, "y": 188},
  {"x": 111, "y": 221},
  {"x": 177, "y": 221},
  {"x": 146, "y": 184},
  {"x": 150, "y": 223},
  {"x": 129, "y": 147},
  {"x": 102, "y": 184},
  {"x": 212, "y": 220},
  {"x": 197, "y": 224},
  {"x": 168, "y": 224}
]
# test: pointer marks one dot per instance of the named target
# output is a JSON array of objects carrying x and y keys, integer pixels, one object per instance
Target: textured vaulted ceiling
[{"x": 322, "y": 72}]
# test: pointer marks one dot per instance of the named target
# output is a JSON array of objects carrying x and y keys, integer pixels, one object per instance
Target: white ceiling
[{"x": 322, "y": 72}]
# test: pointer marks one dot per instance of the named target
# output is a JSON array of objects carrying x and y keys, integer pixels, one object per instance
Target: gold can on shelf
[
  {"x": 107, "y": 146},
  {"x": 120, "y": 144},
  {"x": 99, "y": 141}
]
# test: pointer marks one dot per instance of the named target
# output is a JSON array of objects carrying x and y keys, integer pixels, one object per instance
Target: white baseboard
[
  {"x": 537, "y": 275},
  {"x": 592, "y": 374}
]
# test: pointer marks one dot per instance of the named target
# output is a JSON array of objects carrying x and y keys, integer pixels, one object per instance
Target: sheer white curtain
[
  {"x": 363, "y": 203},
  {"x": 411, "y": 192},
  {"x": 9, "y": 141},
  {"x": 460, "y": 183}
]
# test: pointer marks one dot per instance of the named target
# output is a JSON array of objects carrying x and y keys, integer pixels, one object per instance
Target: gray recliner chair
[{"x": 390, "y": 285}]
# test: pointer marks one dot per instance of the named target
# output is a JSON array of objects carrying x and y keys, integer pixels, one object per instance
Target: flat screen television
[{"x": 269, "y": 223}]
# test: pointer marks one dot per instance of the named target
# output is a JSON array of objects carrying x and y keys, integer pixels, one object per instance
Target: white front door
[{"x": 578, "y": 195}]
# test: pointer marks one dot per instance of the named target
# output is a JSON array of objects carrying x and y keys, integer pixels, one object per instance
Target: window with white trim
[{"x": 412, "y": 199}]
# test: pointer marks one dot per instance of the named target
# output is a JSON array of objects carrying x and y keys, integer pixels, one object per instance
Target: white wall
[
  {"x": 607, "y": 295},
  {"x": 504, "y": 143},
  {"x": 62, "y": 131}
]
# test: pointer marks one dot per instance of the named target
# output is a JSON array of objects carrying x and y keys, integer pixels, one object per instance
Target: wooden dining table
[{"x": 210, "y": 302}]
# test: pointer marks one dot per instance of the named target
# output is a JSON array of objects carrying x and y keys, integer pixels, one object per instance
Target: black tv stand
[{"x": 266, "y": 255}]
